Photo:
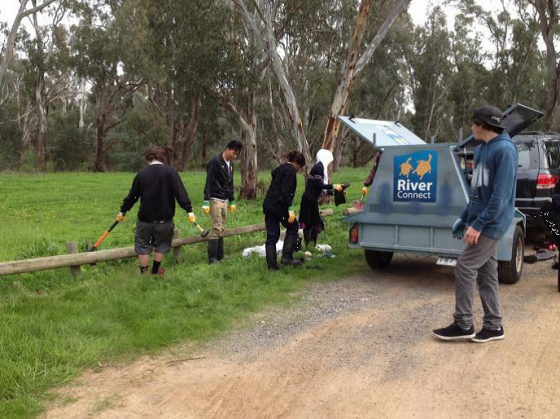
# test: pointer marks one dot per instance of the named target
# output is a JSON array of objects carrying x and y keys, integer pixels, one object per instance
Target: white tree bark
[
  {"x": 354, "y": 64},
  {"x": 22, "y": 13},
  {"x": 267, "y": 42}
]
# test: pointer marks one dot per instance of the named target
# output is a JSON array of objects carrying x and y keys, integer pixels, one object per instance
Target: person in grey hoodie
[{"x": 482, "y": 224}]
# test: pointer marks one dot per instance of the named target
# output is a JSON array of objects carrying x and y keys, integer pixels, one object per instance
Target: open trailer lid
[
  {"x": 516, "y": 118},
  {"x": 381, "y": 133}
]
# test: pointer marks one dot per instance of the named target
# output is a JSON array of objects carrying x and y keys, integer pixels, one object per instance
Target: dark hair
[
  {"x": 296, "y": 157},
  {"x": 155, "y": 152},
  {"x": 486, "y": 126},
  {"x": 234, "y": 145}
]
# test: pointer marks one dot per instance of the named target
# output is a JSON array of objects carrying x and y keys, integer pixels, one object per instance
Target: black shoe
[
  {"x": 220, "y": 248},
  {"x": 288, "y": 251},
  {"x": 453, "y": 332},
  {"x": 212, "y": 251},
  {"x": 486, "y": 335},
  {"x": 271, "y": 257}
]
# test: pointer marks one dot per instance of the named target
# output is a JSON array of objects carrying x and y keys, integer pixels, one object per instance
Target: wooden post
[
  {"x": 177, "y": 252},
  {"x": 71, "y": 249}
]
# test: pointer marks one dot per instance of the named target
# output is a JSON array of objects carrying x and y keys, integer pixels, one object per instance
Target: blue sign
[{"x": 415, "y": 177}]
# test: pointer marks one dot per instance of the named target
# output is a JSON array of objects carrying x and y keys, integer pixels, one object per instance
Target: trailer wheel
[
  {"x": 377, "y": 259},
  {"x": 509, "y": 272}
]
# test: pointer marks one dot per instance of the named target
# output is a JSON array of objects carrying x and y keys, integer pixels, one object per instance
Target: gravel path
[{"x": 358, "y": 347}]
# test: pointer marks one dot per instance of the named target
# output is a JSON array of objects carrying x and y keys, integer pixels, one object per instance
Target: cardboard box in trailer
[{"x": 419, "y": 191}]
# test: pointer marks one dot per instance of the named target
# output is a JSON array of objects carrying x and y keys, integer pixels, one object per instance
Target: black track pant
[{"x": 273, "y": 217}]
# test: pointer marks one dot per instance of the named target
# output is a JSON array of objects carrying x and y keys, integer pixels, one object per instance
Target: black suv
[
  {"x": 539, "y": 162},
  {"x": 538, "y": 175}
]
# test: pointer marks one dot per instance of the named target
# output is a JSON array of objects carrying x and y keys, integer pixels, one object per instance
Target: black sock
[
  {"x": 143, "y": 269},
  {"x": 155, "y": 267}
]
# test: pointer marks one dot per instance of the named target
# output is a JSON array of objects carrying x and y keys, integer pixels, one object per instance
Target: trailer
[{"x": 419, "y": 191}]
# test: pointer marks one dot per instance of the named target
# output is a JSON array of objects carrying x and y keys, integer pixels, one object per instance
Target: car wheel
[
  {"x": 509, "y": 272},
  {"x": 377, "y": 259}
]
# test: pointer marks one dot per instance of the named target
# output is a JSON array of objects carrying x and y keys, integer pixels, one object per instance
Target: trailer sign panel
[{"x": 415, "y": 177}]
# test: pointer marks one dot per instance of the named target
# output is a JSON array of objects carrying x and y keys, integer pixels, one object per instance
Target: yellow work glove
[
  {"x": 192, "y": 218},
  {"x": 338, "y": 187},
  {"x": 232, "y": 206},
  {"x": 365, "y": 191},
  {"x": 120, "y": 217},
  {"x": 291, "y": 215},
  {"x": 206, "y": 207}
]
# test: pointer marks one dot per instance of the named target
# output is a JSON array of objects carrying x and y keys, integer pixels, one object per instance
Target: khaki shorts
[{"x": 150, "y": 236}]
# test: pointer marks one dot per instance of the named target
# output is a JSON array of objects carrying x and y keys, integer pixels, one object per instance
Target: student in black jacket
[
  {"x": 317, "y": 182},
  {"x": 157, "y": 186},
  {"x": 218, "y": 193},
  {"x": 278, "y": 209}
]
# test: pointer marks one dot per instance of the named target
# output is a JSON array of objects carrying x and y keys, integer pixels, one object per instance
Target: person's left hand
[
  {"x": 471, "y": 236},
  {"x": 232, "y": 206},
  {"x": 338, "y": 187},
  {"x": 120, "y": 217},
  {"x": 192, "y": 218}
]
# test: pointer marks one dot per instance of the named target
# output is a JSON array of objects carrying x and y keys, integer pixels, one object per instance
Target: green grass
[{"x": 53, "y": 327}]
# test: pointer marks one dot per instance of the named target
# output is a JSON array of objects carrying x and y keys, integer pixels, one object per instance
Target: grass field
[{"x": 53, "y": 327}]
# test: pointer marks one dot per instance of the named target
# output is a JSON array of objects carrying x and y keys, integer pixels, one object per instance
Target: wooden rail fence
[{"x": 74, "y": 260}]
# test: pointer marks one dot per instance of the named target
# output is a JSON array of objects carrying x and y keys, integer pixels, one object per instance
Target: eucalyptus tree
[
  {"x": 431, "y": 69},
  {"x": 189, "y": 54},
  {"x": 22, "y": 13},
  {"x": 103, "y": 51},
  {"x": 48, "y": 69},
  {"x": 547, "y": 14},
  {"x": 356, "y": 60}
]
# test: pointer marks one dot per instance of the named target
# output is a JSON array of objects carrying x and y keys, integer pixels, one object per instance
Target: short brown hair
[{"x": 155, "y": 152}]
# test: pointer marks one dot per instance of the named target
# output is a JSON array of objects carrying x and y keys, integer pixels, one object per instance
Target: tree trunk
[
  {"x": 189, "y": 134},
  {"x": 99, "y": 157},
  {"x": 267, "y": 42},
  {"x": 41, "y": 150},
  {"x": 547, "y": 19},
  {"x": 250, "y": 163},
  {"x": 82, "y": 104},
  {"x": 354, "y": 65},
  {"x": 9, "y": 49}
]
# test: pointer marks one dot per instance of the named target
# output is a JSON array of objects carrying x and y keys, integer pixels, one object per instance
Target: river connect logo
[{"x": 415, "y": 177}]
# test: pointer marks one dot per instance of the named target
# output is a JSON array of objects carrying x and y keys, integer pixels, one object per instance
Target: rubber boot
[
  {"x": 212, "y": 251},
  {"x": 271, "y": 257},
  {"x": 220, "y": 248},
  {"x": 288, "y": 251}
]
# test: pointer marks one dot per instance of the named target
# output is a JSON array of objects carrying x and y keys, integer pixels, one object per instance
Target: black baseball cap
[{"x": 489, "y": 114}]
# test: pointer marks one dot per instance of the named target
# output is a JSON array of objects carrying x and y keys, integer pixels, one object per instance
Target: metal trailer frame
[{"x": 419, "y": 191}]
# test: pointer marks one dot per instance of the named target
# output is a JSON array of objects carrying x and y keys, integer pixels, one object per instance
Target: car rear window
[
  {"x": 553, "y": 154},
  {"x": 524, "y": 155}
]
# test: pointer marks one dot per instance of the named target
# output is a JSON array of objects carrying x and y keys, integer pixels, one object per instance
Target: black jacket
[
  {"x": 157, "y": 186},
  {"x": 315, "y": 185},
  {"x": 282, "y": 188},
  {"x": 219, "y": 179}
]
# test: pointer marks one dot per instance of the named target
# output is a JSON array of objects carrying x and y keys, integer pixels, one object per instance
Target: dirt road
[{"x": 357, "y": 348}]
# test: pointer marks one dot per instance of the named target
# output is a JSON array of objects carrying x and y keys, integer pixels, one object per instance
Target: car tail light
[
  {"x": 545, "y": 181},
  {"x": 470, "y": 164},
  {"x": 354, "y": 238}
]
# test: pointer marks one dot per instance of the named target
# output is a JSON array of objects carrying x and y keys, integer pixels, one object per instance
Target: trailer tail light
[
  {"x": 354, "y": 238},
  {"x": 545, "y": 181}
]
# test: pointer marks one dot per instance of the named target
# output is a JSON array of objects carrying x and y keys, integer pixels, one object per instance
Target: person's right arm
[
  {"x": 288, "y": 187},
  {"x": 133, "y": 195},
  {"x": 209, "y": 180}
]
